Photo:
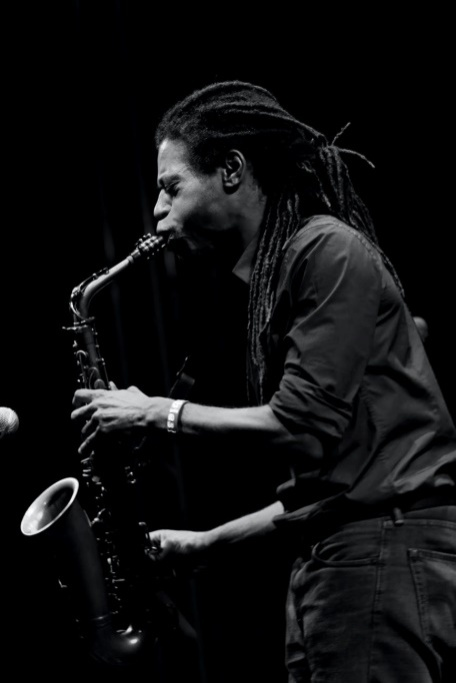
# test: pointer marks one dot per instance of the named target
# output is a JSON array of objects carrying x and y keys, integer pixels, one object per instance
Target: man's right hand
[{"x": 173, "y": 545}]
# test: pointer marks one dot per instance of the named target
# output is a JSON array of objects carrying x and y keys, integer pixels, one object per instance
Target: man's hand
[
  {"x": 178, "y": 547},
  {"x": 120, "y": 412}
]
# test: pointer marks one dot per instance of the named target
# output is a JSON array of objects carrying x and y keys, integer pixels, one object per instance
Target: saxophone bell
[{"x": 57, "y": 516}]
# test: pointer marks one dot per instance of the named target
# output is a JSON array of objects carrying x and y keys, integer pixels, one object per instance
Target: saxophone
[{"x": 104, "y": 585}]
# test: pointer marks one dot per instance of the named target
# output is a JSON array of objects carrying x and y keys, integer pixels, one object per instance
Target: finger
[
  {"x": 155, "y": 537},
  {"x": 84, "y": 411},
  {"x": 112, "y": 386},
  {"x": 155, "y": 549},
  {"x": 82, "y": 396},
  {"x": 89, "y": 427},
  {"x": 86, "y": 446},
  {"x": 134, "y": 389}
]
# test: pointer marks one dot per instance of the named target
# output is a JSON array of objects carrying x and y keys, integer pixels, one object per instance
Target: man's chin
[
  {"x": 184, "y": 249},
  {"x": 215, "y": 245}
]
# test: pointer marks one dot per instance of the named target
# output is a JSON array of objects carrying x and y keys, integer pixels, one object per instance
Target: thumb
[
  {"x": 155, "y": 543},
  {"x": 112, "y": 386},
  {"x": 134, "y": 389}
]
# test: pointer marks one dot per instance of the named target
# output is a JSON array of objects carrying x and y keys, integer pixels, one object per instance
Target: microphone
[{"x": 9, "y": 422}]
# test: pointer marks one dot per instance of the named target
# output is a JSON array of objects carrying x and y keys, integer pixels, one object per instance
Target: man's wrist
[{"x": 174, "y": 416}]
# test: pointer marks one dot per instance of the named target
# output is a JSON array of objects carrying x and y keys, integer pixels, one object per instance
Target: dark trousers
[{"x": 375, "y": 602}]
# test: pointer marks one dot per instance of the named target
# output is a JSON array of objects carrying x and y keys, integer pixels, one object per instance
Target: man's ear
[{"x": 233, "y": 170}]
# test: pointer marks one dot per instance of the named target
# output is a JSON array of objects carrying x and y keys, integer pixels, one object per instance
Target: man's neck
[
  {"x": 243, "y": 267},
  {"x": 251, "y": 216}
]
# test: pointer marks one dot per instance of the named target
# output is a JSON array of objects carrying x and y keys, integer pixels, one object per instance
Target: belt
[
  {"x": 422, "y": 503},
  {"x": 426, "y": 503},
  {"x": 328, "y": 521}
]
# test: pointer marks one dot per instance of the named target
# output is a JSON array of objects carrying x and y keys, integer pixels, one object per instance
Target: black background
[{"x": 84, "y": 84}]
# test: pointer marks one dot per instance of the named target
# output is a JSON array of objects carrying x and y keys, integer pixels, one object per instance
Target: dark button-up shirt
[{"x": 347, "y": 366}]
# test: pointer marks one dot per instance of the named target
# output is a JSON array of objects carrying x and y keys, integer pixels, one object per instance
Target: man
[{"x": 339, "y": 386}]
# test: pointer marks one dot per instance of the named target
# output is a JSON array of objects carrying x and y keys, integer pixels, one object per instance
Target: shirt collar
[{"x": 243, "y": 268}]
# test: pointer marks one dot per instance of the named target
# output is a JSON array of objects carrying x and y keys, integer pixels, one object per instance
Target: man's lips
[{"x": 179, "y": 245}]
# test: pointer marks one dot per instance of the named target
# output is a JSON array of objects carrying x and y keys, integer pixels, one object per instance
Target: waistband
[
  {"x": 435, "y": 506},
  {"x": 426, "y": 502}
]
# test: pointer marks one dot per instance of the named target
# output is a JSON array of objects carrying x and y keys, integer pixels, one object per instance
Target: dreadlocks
[{"x": 299, "y": 170}]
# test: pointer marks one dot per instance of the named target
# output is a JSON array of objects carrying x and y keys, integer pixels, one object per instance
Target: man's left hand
[{"x": 119, "y": 411}]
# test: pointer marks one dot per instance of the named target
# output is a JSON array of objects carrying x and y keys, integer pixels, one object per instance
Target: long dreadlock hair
[{"x": 298, "y": 169}]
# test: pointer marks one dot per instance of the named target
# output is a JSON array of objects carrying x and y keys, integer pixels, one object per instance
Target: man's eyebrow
[{"x": 167, "y": 179}]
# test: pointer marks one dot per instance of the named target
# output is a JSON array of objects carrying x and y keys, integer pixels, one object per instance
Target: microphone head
[{"x": 9, "y": 421}]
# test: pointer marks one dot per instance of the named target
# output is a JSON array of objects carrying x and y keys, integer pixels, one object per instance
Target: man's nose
[
  {"x": 161, "y": 208},
  {"x": 159, "y": 216}
]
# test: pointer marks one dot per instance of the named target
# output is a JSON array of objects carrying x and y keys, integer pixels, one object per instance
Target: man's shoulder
[
  {"x": 324, "y": 224},
  {"x": 326, "y": 230}
]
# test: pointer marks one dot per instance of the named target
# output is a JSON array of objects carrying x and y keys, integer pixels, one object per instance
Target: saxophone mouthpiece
[{"x": 149, "y": 245}]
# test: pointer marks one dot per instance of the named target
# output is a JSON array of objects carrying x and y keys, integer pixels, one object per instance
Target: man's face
[{"x": 193, "y": 209}]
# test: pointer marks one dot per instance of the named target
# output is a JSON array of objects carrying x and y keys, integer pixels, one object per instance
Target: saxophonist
[{"x": 339, "y": 386}]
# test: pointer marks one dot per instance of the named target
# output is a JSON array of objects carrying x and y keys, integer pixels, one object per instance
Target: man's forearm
[
  {"x": 250, "y": 526},
  {"x": 203, "y": 420},
  {"x": 257, "y": 421}
]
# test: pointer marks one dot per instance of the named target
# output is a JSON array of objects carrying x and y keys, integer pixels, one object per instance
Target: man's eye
[{"x": 171, "y": 189}]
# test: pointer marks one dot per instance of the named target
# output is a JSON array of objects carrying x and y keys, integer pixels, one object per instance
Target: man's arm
[
  {"x": 171, "y": 543},
  {"x": 131, "y": 411},
  {"x": 200, "y": 420}
]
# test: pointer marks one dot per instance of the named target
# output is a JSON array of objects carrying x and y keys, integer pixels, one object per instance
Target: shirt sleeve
[{"x": 333, "y": 277}]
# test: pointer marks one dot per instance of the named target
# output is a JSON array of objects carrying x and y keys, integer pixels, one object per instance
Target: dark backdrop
[{"x": 84, "y": 84}]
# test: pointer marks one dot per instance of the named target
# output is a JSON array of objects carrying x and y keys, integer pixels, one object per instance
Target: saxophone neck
[
  {"x": 91, "y": 364},
  {"x": 82, "y": 295}
]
